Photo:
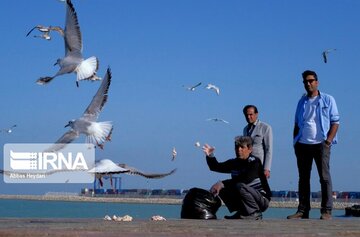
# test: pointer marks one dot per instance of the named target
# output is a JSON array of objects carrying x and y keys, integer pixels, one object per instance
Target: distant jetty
[{"x": 152, "y": 200}]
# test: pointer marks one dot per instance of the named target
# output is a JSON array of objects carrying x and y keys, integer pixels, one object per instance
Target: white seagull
[
  {"x": 174, "y": 153},
  {"x": 217, "y": 120},
  {"x": 192, "y": 88},
  {"x": 96, "y": 132},
  {"x": 213, "y": 87},
  {"x": 73, "y": 60},
  {"x": 8, "y": 130},
  {"x": 45, "y": 30},
  {"x": 325, "y": 53},
  {"x": 106, "y": 167}
]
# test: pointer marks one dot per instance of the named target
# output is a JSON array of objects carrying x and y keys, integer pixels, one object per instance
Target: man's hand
[
  {"x": 208, "y": 149},
  {"x": 215, "y": 189},
  {"x": 267, "y": 174}
]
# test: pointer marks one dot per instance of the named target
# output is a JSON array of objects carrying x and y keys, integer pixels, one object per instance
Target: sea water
[{"x": 67, "y": 209}]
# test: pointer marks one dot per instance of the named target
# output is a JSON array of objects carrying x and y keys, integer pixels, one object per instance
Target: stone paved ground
[{"x": 179, "y": 227}]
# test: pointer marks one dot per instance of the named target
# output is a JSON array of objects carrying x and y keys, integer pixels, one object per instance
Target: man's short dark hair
[
  {"x": 248, "y": 107},
  {"x": 309, "y": 73},
  {"x": 243, "y": 141}
]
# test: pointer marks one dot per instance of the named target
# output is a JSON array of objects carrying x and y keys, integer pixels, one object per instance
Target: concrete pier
[{"x": 179, "y": 227}]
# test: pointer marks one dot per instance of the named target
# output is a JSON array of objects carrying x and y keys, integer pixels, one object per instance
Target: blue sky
[{"x": 255, "y": 51}]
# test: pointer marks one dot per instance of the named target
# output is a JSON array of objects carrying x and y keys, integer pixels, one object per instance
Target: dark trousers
[
  {"x": 305, "y": 155},
  {"x": 243, "y": 198}
]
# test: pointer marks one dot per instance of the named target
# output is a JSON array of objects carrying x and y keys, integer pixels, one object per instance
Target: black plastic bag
[{"x": 200, "y": 204}]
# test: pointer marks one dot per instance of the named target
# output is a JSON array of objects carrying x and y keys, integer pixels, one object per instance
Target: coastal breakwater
[{"x": 154, "y": 200}]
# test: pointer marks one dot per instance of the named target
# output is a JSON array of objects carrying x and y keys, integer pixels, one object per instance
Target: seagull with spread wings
[
  {"x": 73, "y": 60},
  {"x": 45, "y": 30},
  {"x": 96, "y": 132},
  {"x": 8, "y": 130},
  {"x": 106, "y": 167},
  {"x": 217, "y": 120},
  {"x": 134, "y": 171}
]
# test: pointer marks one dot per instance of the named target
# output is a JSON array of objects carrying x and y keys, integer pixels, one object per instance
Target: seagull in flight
[
  {"x": 174, "y": 153},
  {"x": 96, "y": 132},
  {"x": 107, "y": 167},
  {"x": 213, "y": 87},
  {"x": 73, "y": 60},
  {"x": 134, "y": 171},
  {"x": 192, "y": 88},
  {"x": 45, "y": 30},
  {"x": 8, "y": 130},
  {"x": 217, "y": 120},
  {"x": 325, "y": 53}
]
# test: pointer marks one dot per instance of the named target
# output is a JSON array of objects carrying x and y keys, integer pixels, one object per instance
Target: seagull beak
[{"x": 67, "y": 125}]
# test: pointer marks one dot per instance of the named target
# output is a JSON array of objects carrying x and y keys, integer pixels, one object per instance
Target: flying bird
[
  {"x": 217, "y": 120},
  {"x": 8, "y": 130},
  {"x": 73, "y": 60},
  {"x": 96, "y": 132},
  {"x": 174, "y": 153},
  {"x": 106, "y": 167},
  {"x": 192, "y": 88},
  {"x": 213, "y": 87},
  {"x": 325, "y": 53},
  {"x": 45, "y": 30},
  {"x": 134, "y": 171},
  {"x": 197, "y": 144}
]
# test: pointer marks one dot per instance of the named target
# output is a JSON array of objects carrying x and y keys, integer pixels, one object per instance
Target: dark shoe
[
  {"x": 326, "y": 215},
  {"x": 299, "y": 215},
  {"x": 235, "y": 216},
  {"x": 253, "y": 216}
]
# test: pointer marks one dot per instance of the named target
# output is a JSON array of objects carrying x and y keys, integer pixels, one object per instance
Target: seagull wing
[
  {"x": 31, "y": 31},
  {"x": 224, "y": 121},
  {"x": 197, "y": 85},
  {"x": 67, "y": 138},
  {"x": 324, "y": 56},
  {"x": 73, "y": 41},
  {"x": 58, "y": 29},
  {"x": 100, "y": 98},
  {"x": 134, "y": 171}
]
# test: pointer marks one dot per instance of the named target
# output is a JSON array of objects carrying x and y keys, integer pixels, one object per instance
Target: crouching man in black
[{"x": 247, "y": 192}]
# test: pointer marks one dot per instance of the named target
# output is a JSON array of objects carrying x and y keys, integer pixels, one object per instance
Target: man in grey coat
[{"x": 261, "y": 134}]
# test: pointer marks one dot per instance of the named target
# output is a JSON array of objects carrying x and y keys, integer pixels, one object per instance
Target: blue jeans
[{"x": 305, "y": 155}]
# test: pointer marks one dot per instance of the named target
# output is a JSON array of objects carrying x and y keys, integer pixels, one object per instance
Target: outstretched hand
[{"x": 208, "y": 149}]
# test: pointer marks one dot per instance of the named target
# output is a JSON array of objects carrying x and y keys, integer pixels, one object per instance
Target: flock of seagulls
[{"x": 95, "y": 132}]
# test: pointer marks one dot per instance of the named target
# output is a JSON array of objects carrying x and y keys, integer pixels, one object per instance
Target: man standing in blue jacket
[{"x": 316, "y": 124}]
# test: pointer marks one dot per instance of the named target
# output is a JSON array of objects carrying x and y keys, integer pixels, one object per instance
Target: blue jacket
[{"x": 327, "y": 112}]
